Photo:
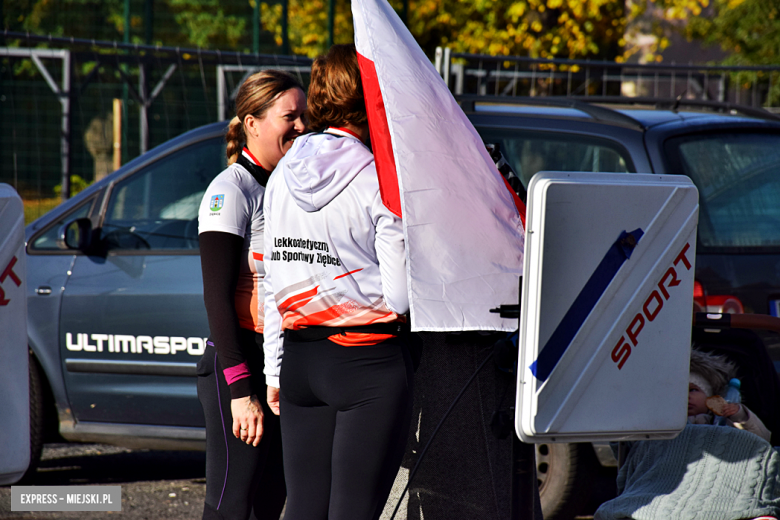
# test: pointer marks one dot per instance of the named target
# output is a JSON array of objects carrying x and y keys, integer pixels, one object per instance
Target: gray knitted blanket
[{"x": 706, "y": 473}]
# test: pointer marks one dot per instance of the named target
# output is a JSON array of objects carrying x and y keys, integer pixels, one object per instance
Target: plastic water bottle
[{"x": 732, "y": 396}]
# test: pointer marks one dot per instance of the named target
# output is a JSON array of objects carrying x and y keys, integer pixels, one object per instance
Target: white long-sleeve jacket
[{"x": 334, "y": 254}]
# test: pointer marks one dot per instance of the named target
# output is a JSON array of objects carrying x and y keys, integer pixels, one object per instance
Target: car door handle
[{"x": 43, "y": 290}]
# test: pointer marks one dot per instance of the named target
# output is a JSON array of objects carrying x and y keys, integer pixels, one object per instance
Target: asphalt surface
[{"x": 156, "y": 485}]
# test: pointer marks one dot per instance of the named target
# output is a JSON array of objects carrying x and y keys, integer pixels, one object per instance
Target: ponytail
[{"x": 235, "y": 138}]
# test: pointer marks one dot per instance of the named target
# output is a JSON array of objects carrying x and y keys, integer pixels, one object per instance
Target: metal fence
[
  {"x": 58, "y": 107},
  {"x": 63, "y": 109},
  {"x": 520, "y": 76}
]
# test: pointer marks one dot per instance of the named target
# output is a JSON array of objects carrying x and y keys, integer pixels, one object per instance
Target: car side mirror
[{"x": 76, "y": 234}]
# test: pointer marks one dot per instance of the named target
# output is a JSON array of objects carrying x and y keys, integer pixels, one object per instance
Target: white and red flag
[{"x": 463, "y": 229}]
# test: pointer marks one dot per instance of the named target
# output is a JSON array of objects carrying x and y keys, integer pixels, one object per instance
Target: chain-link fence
[
  {"x": 239, "y": 25},
  {"x": 72, "y": 115},
  {"x": 59, "y": 107}
]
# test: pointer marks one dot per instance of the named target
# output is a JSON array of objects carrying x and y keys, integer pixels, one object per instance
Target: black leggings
[
  {"x": 240, "y": 479},
  {"x": 345, "y": 419}
]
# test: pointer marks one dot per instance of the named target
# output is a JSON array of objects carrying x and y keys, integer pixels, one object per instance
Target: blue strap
[{"x": 583, "y": 305}]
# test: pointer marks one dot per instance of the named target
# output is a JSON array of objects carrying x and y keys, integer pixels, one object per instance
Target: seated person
[
  {"x": 710, "y": 375},
  {"x": 704, "y": 473}
]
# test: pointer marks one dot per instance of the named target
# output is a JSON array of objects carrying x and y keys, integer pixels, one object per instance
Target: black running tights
[
  {"x": 345, "y": 415},
  {"x": 242, "y": 481}
]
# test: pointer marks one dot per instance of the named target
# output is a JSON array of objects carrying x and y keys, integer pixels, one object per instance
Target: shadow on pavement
[{"x": 68, "y": 464}]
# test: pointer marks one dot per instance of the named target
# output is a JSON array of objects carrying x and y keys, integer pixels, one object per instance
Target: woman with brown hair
[
  {"x": 243, "y": 446},
  {"x": 336, "y": 297}
]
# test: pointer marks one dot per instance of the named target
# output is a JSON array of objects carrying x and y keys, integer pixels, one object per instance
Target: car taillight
[
  {"x": 699, "y": 299},
  {"x": 724, "y": 305},
  {"x": 715, "y": 303}
]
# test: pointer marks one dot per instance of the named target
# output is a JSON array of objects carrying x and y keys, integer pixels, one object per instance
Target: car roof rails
[
  {"x": 599, "y": 113},
  {"x": 673, "y": 104}
]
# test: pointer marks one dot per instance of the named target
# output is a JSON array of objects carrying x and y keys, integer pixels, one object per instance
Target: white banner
[{"x": 462, "y": 224}]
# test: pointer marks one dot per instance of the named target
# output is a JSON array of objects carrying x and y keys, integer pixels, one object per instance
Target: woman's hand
[
  {"x": 273, "y": 399},
  {"x": 247, "y": 419}
]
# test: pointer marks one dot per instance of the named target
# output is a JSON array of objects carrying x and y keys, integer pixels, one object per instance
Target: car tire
[
  {"x": 564, "y": 472},
  {"x": 37, "y": 418}
]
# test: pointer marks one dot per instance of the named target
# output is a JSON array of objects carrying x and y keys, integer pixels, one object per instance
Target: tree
[
  {"x": 77, "y": 18},
  {"x": 747, "y": 30},
  {"x": 308, "y": 24},
  {"x": 537, "y": 28},
  {"x": 217, "y": 24}
]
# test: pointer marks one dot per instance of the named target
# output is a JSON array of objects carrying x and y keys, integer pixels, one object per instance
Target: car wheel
[
  {"x": 37, "y": 418},
  {"x": 565, "y": 474}
]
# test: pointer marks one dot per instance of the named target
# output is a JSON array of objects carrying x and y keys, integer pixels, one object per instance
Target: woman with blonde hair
[
  {"x": 337, "y": 363},
  {"x": 244, "y": 473}
]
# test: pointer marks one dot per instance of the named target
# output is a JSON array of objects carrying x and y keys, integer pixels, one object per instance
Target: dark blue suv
[{"x": 116, "y": 316}]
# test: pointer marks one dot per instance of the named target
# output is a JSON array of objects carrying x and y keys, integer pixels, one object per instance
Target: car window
[
  {"x": 532, "y": 152},
  {"x": 157, "y": 207},
  {"x": 47, "y": 241},
  {"x": 739, "y": 187}
]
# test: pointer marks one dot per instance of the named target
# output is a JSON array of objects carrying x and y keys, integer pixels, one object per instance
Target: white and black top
[{"x": 231, "y": 225}]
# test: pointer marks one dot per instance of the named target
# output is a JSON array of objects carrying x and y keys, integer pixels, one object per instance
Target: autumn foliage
[{"x": 596, "y": 29}]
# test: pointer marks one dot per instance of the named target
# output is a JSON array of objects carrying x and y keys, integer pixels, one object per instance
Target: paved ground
[{"x": 156, "y": 485}]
